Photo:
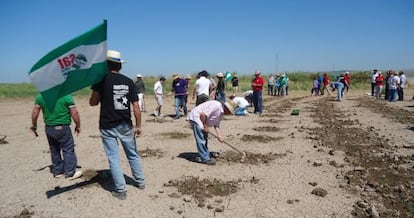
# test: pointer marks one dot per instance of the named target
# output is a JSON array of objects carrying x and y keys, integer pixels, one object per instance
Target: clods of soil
[
  {"x": 250, "y": 158},
  {"x": 151, "y": 153},
  {"x": 203, "y": 189},
  {"x": 259, "y": 138}
]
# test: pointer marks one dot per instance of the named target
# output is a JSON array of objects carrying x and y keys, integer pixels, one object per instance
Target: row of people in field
[
  {"x": 392, "y": 84},
  {"x": 205, "y": 88}
]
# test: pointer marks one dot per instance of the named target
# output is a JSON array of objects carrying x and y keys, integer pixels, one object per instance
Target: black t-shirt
[
  {"x": 235, "y": 81},
  {"x": 117, "y": 93},
  {"x": 221, "y": 85}
]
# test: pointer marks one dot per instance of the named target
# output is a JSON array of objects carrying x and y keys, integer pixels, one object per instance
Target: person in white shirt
[
  {"x": 403, "y": 81},
  {"x": 373, "y": 81},
  {"x": 158, "y": 93},
  {"x": 393, "y": 86},
  {"x": 242, "y": 105},
  {"x": 202, "y": 88}
]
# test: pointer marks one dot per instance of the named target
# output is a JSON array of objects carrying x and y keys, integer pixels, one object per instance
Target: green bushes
[
  {"x": 17, "y": 90},
  {"x": 297, "y": 81},
  {"x": 24, "y": 90}
]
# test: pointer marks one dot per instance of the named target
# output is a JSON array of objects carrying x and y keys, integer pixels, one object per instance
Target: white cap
[{"x": 139, "y": 75}]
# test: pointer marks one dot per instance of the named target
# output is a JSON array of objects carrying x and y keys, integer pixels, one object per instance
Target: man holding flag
[{"x": 116, "y": 93}]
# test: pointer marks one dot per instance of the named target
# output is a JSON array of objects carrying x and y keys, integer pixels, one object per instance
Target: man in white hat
[
  {"x": 140, "y": 86},
  {"x": 117, "y": 93},
  {"x": 221, "y": 87}
]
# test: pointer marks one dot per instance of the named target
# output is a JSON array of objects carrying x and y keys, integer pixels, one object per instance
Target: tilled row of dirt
[
  {"x": 384, "y": 180},
  {"x": 397, "y": 114}
]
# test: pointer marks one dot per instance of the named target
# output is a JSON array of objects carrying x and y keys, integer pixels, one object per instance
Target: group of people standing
[
  {"x": 278, "y": 85},
  {"x": 394, "y": 82}
]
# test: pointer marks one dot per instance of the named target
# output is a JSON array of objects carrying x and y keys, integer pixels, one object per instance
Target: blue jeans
[
  {"x": 180, "y": 102},
  {"x": 257, "y": 101},
  {"x": 282, "y": 90},
  {"x": 221, "y": 97},
  {"x": 61, "y": 141},
  {"x": 392, "y": 94},
  {"x": 125, "y": 133},
  {"x": 339, "y": 92},
  {"x": 240, "y": 111},
  {"x": 201, "y": 138}
]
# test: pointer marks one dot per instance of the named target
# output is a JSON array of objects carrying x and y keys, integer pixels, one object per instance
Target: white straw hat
[
  {"x": 229, "y": 110},
  {"x": 114, "y": 56}
]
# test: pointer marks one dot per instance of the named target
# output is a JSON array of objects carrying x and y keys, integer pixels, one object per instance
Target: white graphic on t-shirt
[{"x": 120, "y": 100}]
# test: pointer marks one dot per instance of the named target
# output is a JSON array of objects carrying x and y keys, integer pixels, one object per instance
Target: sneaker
[
  {"x": 156, "y": 114},
  {"x": 77, "y": 174},
  {"x": 209, "y": 162},
  {"x": 119, "y": 195},
  {"x": 214, "y": 154},
  {"x": 57, "y": 176},
  {"x": 140, "y": 185}
]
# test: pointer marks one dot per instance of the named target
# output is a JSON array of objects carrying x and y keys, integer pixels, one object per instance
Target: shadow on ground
[{"x": 91, "y": 178}]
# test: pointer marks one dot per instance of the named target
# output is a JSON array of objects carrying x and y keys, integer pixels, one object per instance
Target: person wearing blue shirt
[{"x": 179, "y": 87}]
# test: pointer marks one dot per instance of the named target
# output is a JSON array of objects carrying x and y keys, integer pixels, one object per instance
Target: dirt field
[{"x": 335, "y": 159}]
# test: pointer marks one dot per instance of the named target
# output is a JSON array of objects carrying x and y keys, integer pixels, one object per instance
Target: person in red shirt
[
  {"x": 347, "y": 78},
  {"x": 257, "y": 87},
  {"x": 379, "y": 84},
  {"x": 325, "y": 82}
]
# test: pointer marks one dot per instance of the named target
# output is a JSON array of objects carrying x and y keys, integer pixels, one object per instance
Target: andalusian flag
[
  {"x": 72, "y": 66},
  {"x": 228, "y": 76}
]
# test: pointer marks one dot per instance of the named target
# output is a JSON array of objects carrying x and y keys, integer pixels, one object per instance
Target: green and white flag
[
  {"x": 228, "y": 76},
  {"x": 72, "y": 66}
]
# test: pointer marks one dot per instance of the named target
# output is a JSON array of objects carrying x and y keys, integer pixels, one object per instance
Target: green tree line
[{"x": 297, "y": 81}]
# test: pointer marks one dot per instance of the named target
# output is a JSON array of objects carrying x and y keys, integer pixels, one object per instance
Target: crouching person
[{"x": 242, "y": 105}]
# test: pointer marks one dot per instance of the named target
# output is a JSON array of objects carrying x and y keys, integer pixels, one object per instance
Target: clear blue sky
[{"x": 186, "y": 36}]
